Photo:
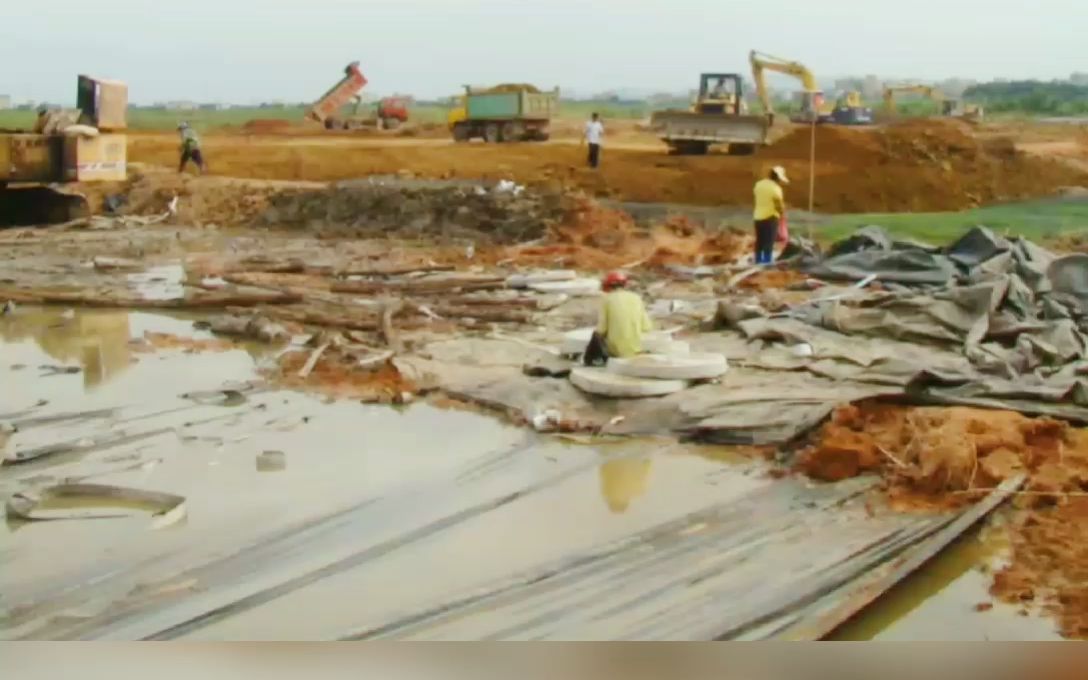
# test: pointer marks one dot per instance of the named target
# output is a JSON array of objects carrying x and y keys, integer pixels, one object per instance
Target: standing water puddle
[
  {"x": 948, "y": 599},
  {"x": 275, "y": 465},
  {"x": 330, "y": 457}
]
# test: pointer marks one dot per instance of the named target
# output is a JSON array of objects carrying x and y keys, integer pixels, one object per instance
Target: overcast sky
[{"x": 256, "y": 50}]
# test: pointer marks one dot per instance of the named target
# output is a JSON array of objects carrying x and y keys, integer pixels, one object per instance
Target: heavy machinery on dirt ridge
[
  {"x": 847, "y": 110},
  {"x": 953, "y": 108},
  {"x": 388, "y": 113},
  {"x": 717, "y": 117},
  {"x": 86, "y": 144},
  {"x": 511, "y": 112}
]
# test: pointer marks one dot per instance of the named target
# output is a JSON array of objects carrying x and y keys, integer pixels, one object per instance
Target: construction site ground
[
  {"x": 912, "y": 166},
  {"x": 357, "y": 407}
]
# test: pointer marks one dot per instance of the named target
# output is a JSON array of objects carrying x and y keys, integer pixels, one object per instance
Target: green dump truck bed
[{"x": 518, "y": 105}]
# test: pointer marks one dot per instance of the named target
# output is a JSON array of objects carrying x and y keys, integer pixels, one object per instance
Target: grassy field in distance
[{"x": 1038, "y": 221}]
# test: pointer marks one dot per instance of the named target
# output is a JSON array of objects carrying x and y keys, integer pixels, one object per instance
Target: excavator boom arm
[
  {"x": 764, "y": 62},
  {"x": 927, "y": 90}
]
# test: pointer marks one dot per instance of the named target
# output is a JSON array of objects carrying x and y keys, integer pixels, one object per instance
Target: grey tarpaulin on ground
[
  {"x": 986, "y": 320},
  {"x": 748, "y": 406}
]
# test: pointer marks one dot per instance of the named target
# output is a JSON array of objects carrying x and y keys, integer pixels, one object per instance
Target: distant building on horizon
[
  {"x": 5, "y": 101},
  {"x": 180, "y": 106}
]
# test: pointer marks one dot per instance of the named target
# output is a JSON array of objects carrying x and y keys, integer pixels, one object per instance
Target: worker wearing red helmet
[{"x": 623, "y": 319}]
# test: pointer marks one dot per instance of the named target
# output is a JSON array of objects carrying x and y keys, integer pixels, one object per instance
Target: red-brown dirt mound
[{"x": 944, "y": 452}]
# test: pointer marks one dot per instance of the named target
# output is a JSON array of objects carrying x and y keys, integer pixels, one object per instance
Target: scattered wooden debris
[
  {"x": 237, "y": 297},
  {"x": 315, "y": 356}
]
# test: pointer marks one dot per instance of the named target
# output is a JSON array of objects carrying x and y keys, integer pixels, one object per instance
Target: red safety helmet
[{"x": 614, "y": 280}]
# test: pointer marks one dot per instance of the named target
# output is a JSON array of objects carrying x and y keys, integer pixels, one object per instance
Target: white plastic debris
[
  {"x": 546, "y": 421},
  {"x": 506, "y": 186},
  {"x": 802, "y": 350}
]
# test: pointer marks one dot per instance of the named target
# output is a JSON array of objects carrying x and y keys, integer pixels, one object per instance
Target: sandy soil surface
[{"x": 921, "y": 165}]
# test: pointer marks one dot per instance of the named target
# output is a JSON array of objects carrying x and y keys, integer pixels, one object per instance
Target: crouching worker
[
  {"x": 621, "y": 323},
  {"x": 190, "y": 148}
]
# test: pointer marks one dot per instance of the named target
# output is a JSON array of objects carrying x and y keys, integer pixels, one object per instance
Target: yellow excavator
[
  {"x": 949, "y": 107},
  {"x": 927, "y": 91},
  {"x": 847, "y": 110}
]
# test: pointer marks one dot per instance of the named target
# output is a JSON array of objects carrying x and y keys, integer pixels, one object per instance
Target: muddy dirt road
[{"x": 911, "y": 166}]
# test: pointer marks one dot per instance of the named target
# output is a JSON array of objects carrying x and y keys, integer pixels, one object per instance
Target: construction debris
[
  {"x": 954, "y": 373},
  {"x": 95, "y": 501}
]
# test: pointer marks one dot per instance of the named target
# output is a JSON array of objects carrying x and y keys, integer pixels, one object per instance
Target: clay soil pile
[
  {"x": 592, "y": 236},
  {"x": 200, "y": 200},
  {"x": 945, "y": 454},
  {"x": 920, "y": 166}
]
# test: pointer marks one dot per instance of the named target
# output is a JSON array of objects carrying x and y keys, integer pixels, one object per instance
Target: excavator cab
[
  {"x": 720, "y": 93},
  {"x": 851, "y": 99},
  {"x": 850, "y": 110}
]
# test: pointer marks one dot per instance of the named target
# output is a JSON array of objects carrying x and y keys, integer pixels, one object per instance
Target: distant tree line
[{"x": 1055, "y": 98}]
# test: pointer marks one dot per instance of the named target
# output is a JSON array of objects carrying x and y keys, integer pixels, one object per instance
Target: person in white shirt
[{"x": 594, "y": 132}]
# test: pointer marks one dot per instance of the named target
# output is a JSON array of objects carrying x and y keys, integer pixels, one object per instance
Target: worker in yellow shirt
[
  {"x": 622, "y": 320},
  {"x": 769, "y": 212}
]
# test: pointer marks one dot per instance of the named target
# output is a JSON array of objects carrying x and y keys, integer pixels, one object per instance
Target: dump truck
[
  {"x": 388, "y": 113},
  {"x": 718, "y": 117},
  {"x": 84, "y": 145},
  {"x": 504, "y": 113}
]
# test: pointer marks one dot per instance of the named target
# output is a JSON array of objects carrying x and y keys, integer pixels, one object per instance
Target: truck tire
[
  {"x": 742, "y": 149},
  {"x": 330, "y": 124},
  {"x": 390, "y": 123},
  {"x": 492, "y": 133},
  {"x": 461, "y": 132},
  {"x": 512, "y": 132}
]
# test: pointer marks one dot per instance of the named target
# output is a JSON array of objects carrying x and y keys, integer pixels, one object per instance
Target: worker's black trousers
[
  {"x": 193, "y": 155},
  {"x": 594, "y": 155},
  {"x": 766, "y": 234}
]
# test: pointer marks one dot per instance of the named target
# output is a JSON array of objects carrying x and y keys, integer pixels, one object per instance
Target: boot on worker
[
  {"x": 622, "y": 320},
  {"x": 190, "y": 148},
  {"x": 770, "y": 210}
]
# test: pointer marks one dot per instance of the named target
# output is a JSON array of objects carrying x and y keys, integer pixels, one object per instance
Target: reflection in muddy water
[
  {"x": 623, "y": 480},
  {"x": 941, "y": 601},
  {"x": 97, "y": 341}
]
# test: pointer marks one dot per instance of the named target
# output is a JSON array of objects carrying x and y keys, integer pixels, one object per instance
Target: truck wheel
[
  {"x": 512, "y": 132},
  {"x": 390, "y": 123},
  {"x": 330, "y": 124},
  {"x": 461, "y": 132},
  {"x": 742, "y": 149},
  {"x": 492, "y": 133}
]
